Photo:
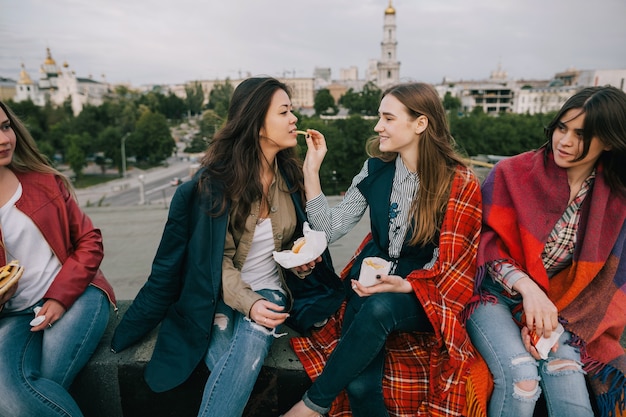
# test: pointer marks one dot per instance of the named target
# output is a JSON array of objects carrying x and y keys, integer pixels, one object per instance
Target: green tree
[
  {"x": 324, "y": 103},
  {"x": 76, "y": 155},
  {"x": 152, "y": 140},
  {"x": 209, "y": 123},
  {"x": 364, "y": 103},
  {"x": 172, "y": 107},
  {"x": 195, "y": 97},
  {"x": 450, "y": 103},
  {"x": 109, "y": 142},
  {"x": 219, "y": 98}
]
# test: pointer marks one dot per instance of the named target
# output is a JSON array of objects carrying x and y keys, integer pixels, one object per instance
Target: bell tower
[{"x": 389, "y": 66}]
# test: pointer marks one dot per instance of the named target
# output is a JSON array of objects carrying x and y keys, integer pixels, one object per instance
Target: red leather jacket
[{"x": 69, "y": 232}]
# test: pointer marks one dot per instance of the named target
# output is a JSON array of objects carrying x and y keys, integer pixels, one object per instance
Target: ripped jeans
[
  {"x": 236, "y": 354},
  {"x": 560, "y": 377}
]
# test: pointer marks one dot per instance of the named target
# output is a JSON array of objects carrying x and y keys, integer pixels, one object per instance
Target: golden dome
[
  {"x": 390, "y": 9},
  {"x": 49, "y": 60},
  {"x": 24, "y": 77}
]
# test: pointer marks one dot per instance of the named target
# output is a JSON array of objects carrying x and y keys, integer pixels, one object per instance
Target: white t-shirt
[
  {"x": 26, "y": 244},
  {"x": 260, "y": 269}
]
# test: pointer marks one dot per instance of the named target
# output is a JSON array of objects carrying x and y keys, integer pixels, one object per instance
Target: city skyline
[{"x": 161, "y": 42}]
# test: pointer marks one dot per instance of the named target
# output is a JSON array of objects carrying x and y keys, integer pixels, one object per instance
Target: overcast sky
[{"x": 175, "y": 41}]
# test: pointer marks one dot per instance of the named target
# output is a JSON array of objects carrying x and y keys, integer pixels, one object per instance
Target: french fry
[
  {"x": 373, "y": 264},
  {"x": 301, "y": 132}
]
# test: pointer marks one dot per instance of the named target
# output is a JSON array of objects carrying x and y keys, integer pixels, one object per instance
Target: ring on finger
[{"x": 50, "y": 325}]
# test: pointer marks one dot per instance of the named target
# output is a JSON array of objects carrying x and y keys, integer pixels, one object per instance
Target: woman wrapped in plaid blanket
[
  {"x": 552, "y": 255},
  {"x": 425, "y": 214}
]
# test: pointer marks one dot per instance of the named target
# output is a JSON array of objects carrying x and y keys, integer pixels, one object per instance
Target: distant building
[
  {"x": 302, "y": 91},
  {"x": 542, "y": 99},
  {"x": 494, "y": 95},
  {"x": 592, "y": 78},
  {"x": 7, "y": 88},
  {"x": 498, "y": 94},
  {"x": 58, "y": 84}
]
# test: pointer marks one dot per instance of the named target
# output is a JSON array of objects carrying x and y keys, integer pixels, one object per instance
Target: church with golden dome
[{"x": 56, "y": 84}]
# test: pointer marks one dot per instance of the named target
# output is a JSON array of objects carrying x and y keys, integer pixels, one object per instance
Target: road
[
  {"x": 153, "y": 189},
  {"x": 138, "y": 188}
]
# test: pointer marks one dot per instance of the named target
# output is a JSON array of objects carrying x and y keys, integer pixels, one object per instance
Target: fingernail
[{"x": 377, "y": 276}]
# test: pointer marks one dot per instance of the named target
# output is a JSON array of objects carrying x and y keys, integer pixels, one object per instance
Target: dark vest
[{"x": 376, "y": 188}]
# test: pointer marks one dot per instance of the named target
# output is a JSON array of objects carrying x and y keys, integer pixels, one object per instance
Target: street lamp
[{"x": 124, "y": 154}]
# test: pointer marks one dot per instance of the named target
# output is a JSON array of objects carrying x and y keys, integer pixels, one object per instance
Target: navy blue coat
[{"x": 184, "y": 287}]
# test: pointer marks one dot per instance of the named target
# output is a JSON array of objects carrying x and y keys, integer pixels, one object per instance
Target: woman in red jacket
[{"x": 52, "y": 319}]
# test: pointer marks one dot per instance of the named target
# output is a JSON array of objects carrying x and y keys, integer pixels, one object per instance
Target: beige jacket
[{"x": 236, "y": 293}]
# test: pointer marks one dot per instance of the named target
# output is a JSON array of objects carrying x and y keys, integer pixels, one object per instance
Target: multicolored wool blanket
[
  {"x": 523, "y": 197},
  {"x": 424, "y": 374}
]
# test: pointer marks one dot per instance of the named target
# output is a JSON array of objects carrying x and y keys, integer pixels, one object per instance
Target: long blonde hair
[
  {"x": 438, "y": 158},
  {"x": 27, "y": 157}
]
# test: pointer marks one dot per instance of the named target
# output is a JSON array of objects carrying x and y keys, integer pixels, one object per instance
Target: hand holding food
[
  {"x": 9, "y": 275},
  {"x": 304, "y": 251}
]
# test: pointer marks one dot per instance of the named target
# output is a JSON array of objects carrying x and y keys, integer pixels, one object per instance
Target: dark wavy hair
[
  {"x": 605, "y": 118},
  {"x": 232, "y": 161}
]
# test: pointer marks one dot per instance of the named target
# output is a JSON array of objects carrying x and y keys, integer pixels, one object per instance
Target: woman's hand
[
  {"x": 267, "y": 314},
  {"x": 10, "y": 293},
  {"x": 53, "y": 310},
  {"x": 307, "y": 268},
  {"x": 386, "y": 283},
  {"x": 539, "y": 311},
  {"x": 316, "y": 151},
  {"x": 525, "y": 333}
]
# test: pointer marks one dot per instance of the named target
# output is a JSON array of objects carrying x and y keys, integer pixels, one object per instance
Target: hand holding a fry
[{"x": 316, "y": 151}]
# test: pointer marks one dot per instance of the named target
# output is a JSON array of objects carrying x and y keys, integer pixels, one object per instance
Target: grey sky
[{"x": 175, "y": 41}]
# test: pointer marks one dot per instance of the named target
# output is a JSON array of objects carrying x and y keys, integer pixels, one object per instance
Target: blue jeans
[
  {"x": 39, "y": 367},
  {"x": 358, "y": 360},
  {"x": 498, "y": 339},
  {"x": 235, "y": 356}
]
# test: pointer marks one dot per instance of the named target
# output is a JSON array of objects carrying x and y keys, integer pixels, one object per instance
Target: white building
[
  {"x": 57, "y": 84},
  {"x": 542, "y": 99},
  {"x": 386, "y": 71},
  {"x": 592, "y": 78}
]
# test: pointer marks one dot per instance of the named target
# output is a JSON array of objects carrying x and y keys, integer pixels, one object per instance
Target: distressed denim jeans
[
  {"x": 235, "y": 356},
  {"x": 39, "y": 367},
  {"x": 498, "y": 339}
]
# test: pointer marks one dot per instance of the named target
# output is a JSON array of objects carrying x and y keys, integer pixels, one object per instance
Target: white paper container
[{"x": 370, "y": 268}]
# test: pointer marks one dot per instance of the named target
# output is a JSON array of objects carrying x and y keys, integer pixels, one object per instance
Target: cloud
[{"x": 159, "y": 41}]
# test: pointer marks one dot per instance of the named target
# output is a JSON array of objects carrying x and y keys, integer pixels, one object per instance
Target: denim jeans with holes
[
  {"x": 498, "y": 339},
  {"x": 236, "y": 354}
]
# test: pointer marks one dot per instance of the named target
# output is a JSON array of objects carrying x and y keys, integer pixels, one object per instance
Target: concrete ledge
[{"x": 112, "y": 385}]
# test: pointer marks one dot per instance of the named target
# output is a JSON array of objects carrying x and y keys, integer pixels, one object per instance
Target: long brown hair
[
  {"x": 438, "y": 158},
  {"x": 27, "y": 157},
  {"x": 233, "y": 158}
]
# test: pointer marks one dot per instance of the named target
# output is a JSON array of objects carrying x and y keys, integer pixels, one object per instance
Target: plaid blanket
[
  {"x": 424, "y": 374},
  {"x": 523, "y": 198}
]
